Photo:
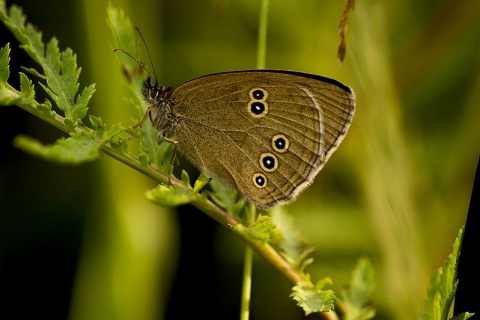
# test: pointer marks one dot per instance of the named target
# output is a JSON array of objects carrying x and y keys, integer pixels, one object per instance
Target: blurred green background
[{"x": 83, "y": 243}]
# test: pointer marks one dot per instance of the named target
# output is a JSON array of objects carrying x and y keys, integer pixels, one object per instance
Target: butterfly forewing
[{"x": 267, "y": 133}]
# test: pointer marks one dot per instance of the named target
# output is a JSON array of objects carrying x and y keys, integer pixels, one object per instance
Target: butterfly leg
[
  {"x": 172, "y": 159},
  {"x": 138, "y": 126}
]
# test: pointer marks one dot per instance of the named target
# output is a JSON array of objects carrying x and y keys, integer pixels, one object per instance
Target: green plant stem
[
  {"x": 248, "y": 262},
  {"x": 247, "y": 271},
  {"x": 246, "y": 284},
  {"x": 262, "y": 35},
  {"x": 267, "y": 252}
]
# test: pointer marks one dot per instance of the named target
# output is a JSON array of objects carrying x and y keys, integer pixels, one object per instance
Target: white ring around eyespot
[
  {"x": 280, "y": 136},
  {"x": 275, "y": 160},
  {"x": 255, "y": 176},
  {"x": 265, "y": 94},
  {"x": 261, "y": 115}
]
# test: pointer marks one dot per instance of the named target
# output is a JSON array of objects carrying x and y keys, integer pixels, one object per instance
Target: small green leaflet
[
  {"x": 78, "y": 148},
  {"x": 313, "y": 298},
  {"x": 357, "y": 298}
]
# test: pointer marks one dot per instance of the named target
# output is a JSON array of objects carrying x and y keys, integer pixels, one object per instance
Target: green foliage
[
  {"x": 200, "y": 183},
  {"x": 78, "y": 148},
  {"x": 262, "y": 230},
  {"x": 443, "y": 286},
  {"x": 290, "y": 242},
  {"x": 9, "y": 95},
  {"x": 227, "y": 198},
  {"x": 170, "y": 195},
  {"x": 59, "y": 67},
  {"x": 314, "y": 298},
  {"x": 462, "y": 316},
  {"x": 60, "y": 72},
  {"x": 357, "y": 299},
  {"x": 125, "y": 35},
  {"x": 6, "y": 99},
  {"x": 4, "y": 62},
  {"x": 175, "y": 195}
]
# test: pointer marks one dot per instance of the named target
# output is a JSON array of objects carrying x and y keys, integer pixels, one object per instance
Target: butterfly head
[{"x": 160, "y": 109}]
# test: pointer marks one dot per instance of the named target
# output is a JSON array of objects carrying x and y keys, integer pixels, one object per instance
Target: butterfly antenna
[
  {"x": 151, "y": 74},
  {"x": 137, "y": 61},
  {"x": 148, "y": 54}
]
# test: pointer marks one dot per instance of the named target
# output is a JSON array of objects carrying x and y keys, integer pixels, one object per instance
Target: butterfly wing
[{"x": 266, "y": 133}]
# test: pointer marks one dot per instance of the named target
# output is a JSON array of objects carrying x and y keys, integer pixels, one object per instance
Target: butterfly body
[{"x": 265, "y": 132}]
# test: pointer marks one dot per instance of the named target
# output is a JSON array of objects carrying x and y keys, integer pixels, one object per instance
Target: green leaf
[
  {"x": 200, "y": 183},
  {"x": 463, "y": 316},
  {"x": 152, "y": 150},
  {"x": 158, "y": 154},
  {"x": 171, "y": 196},
  {"x": 227, "y": 198},
  {"x": 101, "y": 129},
  {"x": 8, "y": 95},
  {"x": 81, "y": 105},
  {"x": 313, "y": 298},
  {"x": 295, "y": 249},
  {"x": 443, "y": 286},
  {"x": 126, "y": 38},
  {"x": 80, "y": 147},
  {"x": 98, "y": 125},
  {"x": 357, "y": 297},
  {"x": 185, "y": 178},
  {"x": 59, "y": 67},
  {"x": 4, "y": 64},
  {"x": 262, "y": 230},
  {"x": 27, "y": 91},
  {"x": 62, "y": 82}
]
